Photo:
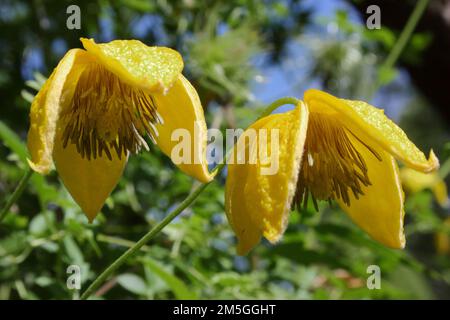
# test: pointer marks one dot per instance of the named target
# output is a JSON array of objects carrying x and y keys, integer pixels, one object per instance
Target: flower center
[
  {"x": 332, "y": 167},
  {"x": 106, "y": 115}
]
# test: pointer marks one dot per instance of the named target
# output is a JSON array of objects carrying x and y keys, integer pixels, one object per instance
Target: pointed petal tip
[
  {"x": 202, "y": 174},
  {"x": 243, "y": 248},
  {"x": 89, "y": 182},
  {"x": 274, "y": 236},
  {"x": 39, "y": 168},
  {"x": 90, "y": 215},
  {"x": 427, "y": 165},
  {"x": 207, "y": 176},
  {"x": 372, "y": 124},
  {"x": 391, "y": 241},
  {"x": 433, "y": 162},
  {"x": 403, "y": 244},
  {"x": 84, "y": 39},
  {"x": 399, "y": 243},
  {"x": 90, "y": 209}
]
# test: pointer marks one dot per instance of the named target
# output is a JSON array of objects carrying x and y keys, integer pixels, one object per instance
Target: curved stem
[
  {"x": 401, "y": 43},
  {"x": 146, "y": 238},
  {"x": 393, "y": 56},
  {"x": 183, "y": 205},
  {"x": 16, "y": 194},
  {"x": 278, "y": 103}
]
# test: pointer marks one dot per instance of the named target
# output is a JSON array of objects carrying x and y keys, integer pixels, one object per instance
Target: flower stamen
[
  {"x": 107, "y": 115},
  {"x": 333, "y": 167}
]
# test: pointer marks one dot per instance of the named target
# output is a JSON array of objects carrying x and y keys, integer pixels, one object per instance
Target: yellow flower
[
  {"x": 442, "y": 239},
  {"x": 329, "y": 149},
  {"x": 97, "y": 107},
  {"x": 414, "y": 181}
]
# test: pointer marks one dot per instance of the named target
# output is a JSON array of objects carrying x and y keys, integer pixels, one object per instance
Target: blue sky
[{"x": 280, "y": 80}]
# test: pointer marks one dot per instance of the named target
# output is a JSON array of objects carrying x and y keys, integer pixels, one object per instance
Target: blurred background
[{"x": 240, "y": 55}]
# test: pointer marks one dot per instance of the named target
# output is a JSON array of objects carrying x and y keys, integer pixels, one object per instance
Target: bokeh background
[{"x": 240, "y": 55}]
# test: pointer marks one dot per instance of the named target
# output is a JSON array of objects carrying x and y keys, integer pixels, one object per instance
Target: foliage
[{"x": 322, "y": 255}]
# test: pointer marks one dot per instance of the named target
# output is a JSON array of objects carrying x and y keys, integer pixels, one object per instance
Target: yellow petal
[
  {"x": 414, "y": 181},
  {"x": 45, "y": 111},
  {"x": 379, "y": 212},
  {"x": 149, "y": 68},
  {"x": 441, "y": 194},
  {"x": 183, "y": 128},
  {"x": 239, "y": 217},
  {"x": 442, "y": 240},
  {"x": 38, "y": 145},
  {"x": 258, "y": 196},
  {"x": 88, "y": 181},
  {"x": 374, "y": 125}
]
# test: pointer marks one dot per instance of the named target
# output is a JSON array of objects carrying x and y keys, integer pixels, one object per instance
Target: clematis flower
[
  {"x": 329, "y": 149},
  {"x": 415, "y": 181},
  {"x": 100, "y": 104}
]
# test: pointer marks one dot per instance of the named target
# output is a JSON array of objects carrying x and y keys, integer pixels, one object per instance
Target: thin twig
[
  {"x": 183, "y": 205},
  {"x": 16, "y": 194}
]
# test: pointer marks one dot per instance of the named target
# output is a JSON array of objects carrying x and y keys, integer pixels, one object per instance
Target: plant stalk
[
  {"x": 16, "y": 194},
  {"x": 183, "y": 205}
]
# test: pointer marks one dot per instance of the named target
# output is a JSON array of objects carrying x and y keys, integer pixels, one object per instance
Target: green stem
[
  {"x": 119, "y": 241},
  {"x": 16, "y": 194},
  {"x": 402, "y": 41},
  {"x": 444, "y": 171},
  {"x": 278, "y": 103},
  {"x": 146, "y": 238},
  {"x": 183, "y": 205}
]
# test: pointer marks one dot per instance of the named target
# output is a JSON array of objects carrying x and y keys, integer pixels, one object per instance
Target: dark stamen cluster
[
  {"x": 107, "y": 115},
  {"x": 332, "y": 167}
]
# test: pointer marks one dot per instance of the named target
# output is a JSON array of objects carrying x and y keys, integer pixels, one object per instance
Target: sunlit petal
[
  {"x": 379, "y": 211},
  {"x": 182, "y": 115},
  {"x": 88, "y": 181},
  {"x": 415, "y": 181},
  {"x": 258, "y": 201},
  {"x": 372, "y": 125},
  {"x": 46, "y": 108},
  {"x": 148, "y": 68}
]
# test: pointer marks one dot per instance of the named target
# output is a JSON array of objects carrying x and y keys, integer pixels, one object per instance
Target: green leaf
[
  {"x": 33, "y": 84},
  {"x": 132, "y": 283},
  {"x": 139, "y": 5},
  {"x": 29, "y": 97},
  {"x": 44, "y": 281},
  {"x": 38, "y": 225},
  {"x": 45, "y": 191},
  {"x": 12, "y": 141},
  {"x": 180, "y": 290},
  {"x": 73, "y": 251},
  {"x": 40, "y": 78}
]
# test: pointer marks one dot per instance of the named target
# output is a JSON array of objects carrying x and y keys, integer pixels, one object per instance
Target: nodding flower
[
  {"x": 100, "y": 105},
  {"x": 329, "y": 149}
]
